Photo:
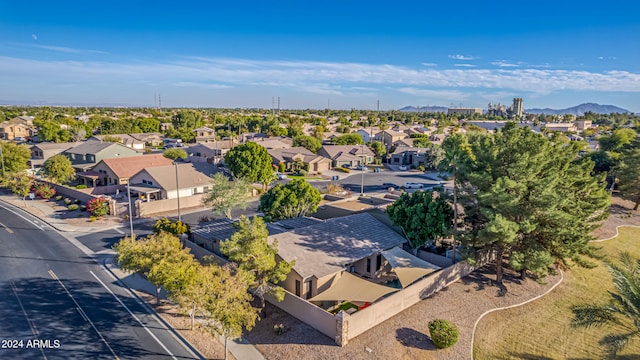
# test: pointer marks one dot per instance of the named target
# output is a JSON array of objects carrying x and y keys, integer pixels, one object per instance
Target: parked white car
[
  {"x": 403, "y": 168},
  {"x": 412, "y": 185},
  {"x": 280, "y": 176}
]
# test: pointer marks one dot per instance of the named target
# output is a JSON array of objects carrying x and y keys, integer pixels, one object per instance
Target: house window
[
  {"x": 144, "y": 181},
  {"x": 368, "y": 265},
  {"x": 396, "y": 159},
  {"x": 298, "y": 291},
  {"x": 194, "y": 190},
  {"x": 378, "y": 262},
  {"x": 307, "y": 289}
]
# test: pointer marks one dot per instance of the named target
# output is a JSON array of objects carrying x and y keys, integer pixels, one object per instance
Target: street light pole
[
  {"x": 130, "y": 212},
  {"x": 177, "y": 190}
]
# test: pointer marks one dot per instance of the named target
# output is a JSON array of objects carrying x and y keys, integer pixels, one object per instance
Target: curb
[
  {"x": 616, "y": 235},
  {"x": 473, "y": 333}
]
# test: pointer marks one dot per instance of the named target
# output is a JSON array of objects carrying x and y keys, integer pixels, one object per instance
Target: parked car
[
  {"x": 280, "y": 176},
  {"x": 412, "y": 185},
  {"x": 390, "y": 185},
  {"x": 363, "y": 168},
  {"x": 403, "y": 168}
]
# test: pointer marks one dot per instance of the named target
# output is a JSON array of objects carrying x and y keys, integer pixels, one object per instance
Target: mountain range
[{"x": 576, "y": 110}]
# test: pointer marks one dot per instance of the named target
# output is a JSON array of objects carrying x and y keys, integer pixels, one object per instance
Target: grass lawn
[
  {"x": 344, "y": 306},
  {"x": 541, "y": 329}
]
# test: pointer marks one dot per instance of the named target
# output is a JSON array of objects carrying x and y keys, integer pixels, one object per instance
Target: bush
[
  {"x": 45, "y": 191},
  {"x": 59, "y": 197},
  {"x": 77, "y": 201},
  {"x": 175, "y": 228},
  {"x": 67, "y": 201},
  {"x": 98, "y": 206},
  {"x": 72, "y": 207},
  {"x": 83, "y": 207},
  {"x": 302, "y": 172},
  {"x": 443, "y": 333},
  {"x": 92, "y": 218},
  {"x": 344, "y": 170},
  {"x": 81, "y": 186}
]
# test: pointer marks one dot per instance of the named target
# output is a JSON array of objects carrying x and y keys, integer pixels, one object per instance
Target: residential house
[
  {"x": 274, "y": 142},
  {"x": 562, "y": 127},
  {"x": 388, "y": 137},
  {"x": 87, "y": 154},
  {"x": 124, "y": 139},
  {"x": 315, "y": 162},
  {"x": 205, "y": 134},
  {"x": 17, "y": 128},
  {"x": 408, "y": 142},
  {"x": 42, "y": 151},
  {"x": 437, "y": 138},
  {"x": 581, "y": 125},
  {"x": 347, "y": 155},
  {"x": 365, "y": 134},
  {"x": 159, "y": 182},
  {"x": 152, "y": 139},
  {"x": 410, "y": 156},
  {"x": 166, "y": 126},
  {"x": 115, "y": 171},
  {"x": 323, "y": 250},
  {"x": 212, "y": 152}
]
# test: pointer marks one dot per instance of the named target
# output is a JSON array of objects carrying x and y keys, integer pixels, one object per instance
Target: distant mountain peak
[
  {"x": 431, "y": 109},
  {"x": 580, "y": 110}
]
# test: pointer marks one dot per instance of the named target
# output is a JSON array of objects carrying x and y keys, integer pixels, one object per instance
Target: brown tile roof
[{"x": 128, "y": 166}]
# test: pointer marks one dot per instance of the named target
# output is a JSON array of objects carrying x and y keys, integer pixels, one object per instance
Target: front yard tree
[
  {"x": 423, "y": 216},
  {"x": 250, "y": 161},
  {"x": 296, "y": 198},
  {"x": 532, "y": 201},
  {"x": 15, "y": 157},
  {"x": 348, "y": 139},
  {"x": 21, "y": 185},
  {"x": 628, "y": 172},
  {"x": 58, "y": 169},
  {"x": 249, "y": 248},
  {"x": 175, "y": 154},
  {"x": 226, "y": 195}
]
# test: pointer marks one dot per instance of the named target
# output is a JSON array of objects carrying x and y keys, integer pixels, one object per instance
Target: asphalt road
[{"x": 53, "y": 293}]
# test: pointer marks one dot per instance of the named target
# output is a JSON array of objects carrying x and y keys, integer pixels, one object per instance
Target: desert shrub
[
  {"x": 81, "y": 186},
  {"x": 72, "y": 207},
  {"x": 67, "y": 201},
  {"x": 344, "y": 170},
  {"x": 443, "y": 333},
  {"x": 59, "y": 197},
  {"x": 45, "y": 191},
  {"x": 175, "y": 228},
  {"x": 92, "y": 218},
  {"x": 98, "y": 206}
]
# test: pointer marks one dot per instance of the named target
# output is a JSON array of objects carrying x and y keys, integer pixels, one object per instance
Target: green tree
[
  {"x": 15, "y": 157},
  {"x": 175, "y": 154},
  {"x": 622, "y": 311},
  {"x": 457, "y": 155},
  {"x": 296, "y": 198},
  {"x": 226, "y": 195},
  {"x": 628, "y": 173},
  {"x": 379, "y": 149},
  {"x": 617, "y": 140},
  {"x": 176, "y": 228},
  {"x": 189, "y": 119},
  {"x": 532, "y": 201},
  {"x": 249, "y": 248},
  {"x": 348, "y": 139},
  {"x": 422, "y": 143},
  {"x": 423, "y": 216},
  {"x": 21, "y": 185},
  {"x": 251, "y": 162},
  {"x": 58, "y": 169},
  {"x": 308, "y": 142}
]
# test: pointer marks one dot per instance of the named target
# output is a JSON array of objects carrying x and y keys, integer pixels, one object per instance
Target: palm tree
[
  {"x": 623, "y": 310},
  {"x": 456, "y": 152}
]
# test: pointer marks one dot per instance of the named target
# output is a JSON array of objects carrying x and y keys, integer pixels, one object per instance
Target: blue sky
[{"x": 310, "y": 54}]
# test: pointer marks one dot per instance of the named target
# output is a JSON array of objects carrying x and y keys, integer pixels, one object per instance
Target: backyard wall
[
  {"x": 435, "y": 259},
  {"x": 306, "y": 312},
  {"x": 145, "y": 208}
]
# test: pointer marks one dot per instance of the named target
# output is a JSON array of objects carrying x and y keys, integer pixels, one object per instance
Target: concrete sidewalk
[{"x": 241, "y": 348}]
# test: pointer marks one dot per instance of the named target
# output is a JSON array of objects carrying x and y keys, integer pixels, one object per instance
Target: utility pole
[
  {"x": 130, "y": 212},
  {"x": 362, "y": 174}
]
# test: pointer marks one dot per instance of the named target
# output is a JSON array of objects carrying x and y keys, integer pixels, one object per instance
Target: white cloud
[
  {"x": 429, "y": 64},
  {"x": 504, "y": 63},
  {"x": 435, "y": 94},
  {"x": 464, "y": 65},
  {"x": 462, "y": 57},
  {"x": 311, "y": 77},
  {"x": 66, "y": 49}
]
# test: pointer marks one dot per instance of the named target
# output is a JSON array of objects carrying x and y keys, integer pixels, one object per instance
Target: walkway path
[{"x": 240, "y": 349}]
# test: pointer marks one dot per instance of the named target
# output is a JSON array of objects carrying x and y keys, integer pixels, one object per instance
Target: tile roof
[
  {"x": 188, "y": 176},
  {"x": 126, "y": 167}
]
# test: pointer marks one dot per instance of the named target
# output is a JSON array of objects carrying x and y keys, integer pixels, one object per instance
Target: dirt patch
[
  {"x": 621, "y": 214},
  {"x": 405, "y": 336},
  {"x": 199, "y": 338}
]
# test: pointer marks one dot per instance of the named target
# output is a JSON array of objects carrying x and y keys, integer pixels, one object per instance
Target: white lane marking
[
  {"x": 118, "y": 231},
  {"x": 134, "y": 316},
  {"x": 32, "y": 223},
  {"x": 34, "y": 330},
  {"x": 6, "y": 228},
  {"x": 84, "y": 315}
]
